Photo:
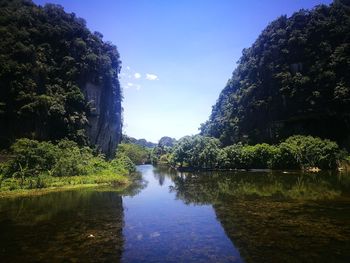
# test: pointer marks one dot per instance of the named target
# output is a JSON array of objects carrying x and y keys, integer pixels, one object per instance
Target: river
[{"x": 236, "y": 216}]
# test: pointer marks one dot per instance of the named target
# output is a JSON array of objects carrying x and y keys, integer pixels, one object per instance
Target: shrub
[
  {"x": 124, "y": 162},
  {"x": 296, "y": 152},
  {"x": 136, "y": 153},
  {"x": 310, "y": 151},
  {"x": 284, "y": 158},
  {"x": 261, "y": 155},
  {"x": 197, "y": 151},
  {"x": 247, "y": 156},
  {"x": 72, "y": 159},
  {"x": 230, "y": 156},
  {"x": 165, "y": 158},
  {"x": 31, "y": 158}
]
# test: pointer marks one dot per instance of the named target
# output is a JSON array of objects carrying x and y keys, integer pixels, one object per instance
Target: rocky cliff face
[{"x": 105, "y": 125}]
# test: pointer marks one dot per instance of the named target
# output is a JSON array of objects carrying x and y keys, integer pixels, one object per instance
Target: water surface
[
  {"x": 159, "y": 227},
  {"x": 185, "y": 217}
]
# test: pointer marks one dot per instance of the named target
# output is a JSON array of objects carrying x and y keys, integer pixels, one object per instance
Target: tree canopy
[{"x": 296, "y": 152}]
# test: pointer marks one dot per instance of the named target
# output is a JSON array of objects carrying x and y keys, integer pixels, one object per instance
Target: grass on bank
[
  {"x": 38, "y": 165},
  {"x": 41, "y": 191}
]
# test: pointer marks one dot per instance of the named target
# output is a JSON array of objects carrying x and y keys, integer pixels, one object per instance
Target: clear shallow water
[
  {"x": 185, "y": 217},
  {"x": 161, "y": 228}
]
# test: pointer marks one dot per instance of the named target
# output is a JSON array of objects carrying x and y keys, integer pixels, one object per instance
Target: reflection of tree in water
[
  {"x": 209, "y": 187},
  {"x": 160, "y": 177},
  {"x": 82, "y": 225},
  {"x": 281, "y": 231},
  {"x": 196, "y": 188},
  {"x": 276, "y": 217},
  {"x": 162, "y": 172},
  {"x": 136, "y": 187}
]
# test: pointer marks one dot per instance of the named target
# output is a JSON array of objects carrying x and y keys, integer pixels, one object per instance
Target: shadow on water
[
  {"x": 185, "y": 217},
  {"x": 276, "y": 217},
  {"x": 81, "y": 225}
]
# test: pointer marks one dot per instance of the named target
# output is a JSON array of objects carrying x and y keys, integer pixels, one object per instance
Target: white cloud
[
  {"x": 137, "y": 75},
  {"x": 133, "y": 85},
  {"x": 127, "y": 67},
  {"x": 129, "y": 85},
  {"x": 151, "y": 77}
]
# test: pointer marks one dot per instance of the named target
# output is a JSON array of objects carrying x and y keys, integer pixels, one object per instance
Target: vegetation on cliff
[
  {"x": 47, "y": 59},
  {"x": 293, "y": 80},
  {"x": 140, "y": 142}
]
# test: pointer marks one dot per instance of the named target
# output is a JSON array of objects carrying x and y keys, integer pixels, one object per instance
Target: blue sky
[{"x": 177, "y": 55}]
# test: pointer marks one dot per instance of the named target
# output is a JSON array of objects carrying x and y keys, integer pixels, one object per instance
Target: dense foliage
[
  {"x": 141, "y": 151},
  {"x": 296, "y": 152},
  {"x": 161, "y": 154},
  {"x": 66, "y": 158},
  {"x": 47, "y": 57},
  {"x": 293, "y": 80},
  {"x": 197, "y": 151},
  {"x": 136, "y": 153}
]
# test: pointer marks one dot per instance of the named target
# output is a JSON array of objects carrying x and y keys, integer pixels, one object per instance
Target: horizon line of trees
[
  {"x": 296, "y": 152},
  {"x": 202, "y": 152}
]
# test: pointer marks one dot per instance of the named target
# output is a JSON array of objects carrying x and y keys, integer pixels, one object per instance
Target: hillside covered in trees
[
  {"x": 57, "y": 79},
  {"x": 293, "y": 80},
  {"x": 140, "y": 142}
]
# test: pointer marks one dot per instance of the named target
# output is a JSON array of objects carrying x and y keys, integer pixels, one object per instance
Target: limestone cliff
[
  {"x": 294, "y": 79},
  {"x": 104, "y": 127},
  {"x": 57, "y": 78}
]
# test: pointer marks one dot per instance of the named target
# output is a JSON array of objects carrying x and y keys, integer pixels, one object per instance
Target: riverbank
[
  {"x": 44, "y": 184},
  {"x": 31, "y": 165},
  {"x": 294, "y": 153},
  {"x": 341, "y": 168}
]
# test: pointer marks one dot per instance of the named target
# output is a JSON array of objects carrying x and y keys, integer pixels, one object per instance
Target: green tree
[
  {"x": 136, "y": 153},
  {"x": 197, "y": 151}
]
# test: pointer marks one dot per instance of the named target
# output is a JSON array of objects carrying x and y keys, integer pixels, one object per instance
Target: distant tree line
[
  {"x": 296, "y": 152},
  {"x": 141, "y": 151},
  {"x": 201, "y": 152},
  {"x": 140, "y": 142}
]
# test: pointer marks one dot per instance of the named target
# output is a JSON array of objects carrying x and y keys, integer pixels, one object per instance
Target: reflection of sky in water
[
  {"x": 160, "y": 228},
  {"x": 276, "y": 217}
]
